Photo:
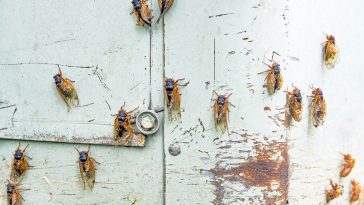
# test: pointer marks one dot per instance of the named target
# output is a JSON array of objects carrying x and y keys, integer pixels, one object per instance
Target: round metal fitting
[
  {"x": 174, "y": 149},
  {"x": 147, "y": 122}
]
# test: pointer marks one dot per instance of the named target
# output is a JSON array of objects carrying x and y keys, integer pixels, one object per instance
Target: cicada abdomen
[
  {"x": 66, "y": 90},
  {"x": 221, "y": 112},
  {"x": 142, "y": 12},
  {"x": 331, "y": 52},
  {"x": 295, "y": 104},
  {"x": 318, "y": 107},
  {"x": 19, "y": 164},
  {"x": 87, "y": 168}
]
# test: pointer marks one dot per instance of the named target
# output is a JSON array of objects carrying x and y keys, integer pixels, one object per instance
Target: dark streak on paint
[{"x": 269, "y": 170}]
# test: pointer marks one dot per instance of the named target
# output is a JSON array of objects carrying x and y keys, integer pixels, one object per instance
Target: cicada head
[
  {"x": 122, "y": 115},
  {"x": 57, "y": 79},
  {"x": 137, "y": 4},
  {"x": 9, "y": 188},
  {"x": 276, "y": 68},
  {"x": 221, "y": 100},
  {"x": 330, "y": 38},
  {"x": 18, "y": 154},
  {"x": 83, "y": 156},
  {"x": 169, "y": 86},
  {"x": 297, "y": 94}
]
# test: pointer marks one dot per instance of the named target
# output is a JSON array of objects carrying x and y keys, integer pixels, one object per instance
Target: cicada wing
[
  {"x": 160, "y": 4},
  {"x": 18, "y": 199},
  {"x": 116, "y": 130},
  {"x": 271, "y": 82},
  {"x": 313, "y": 111},
  {"x": 296, "y": 109},
  {"x": 82, "y": 173},
  {"x": 91, "y": 173},
  {"x": 280, "y": 81},
  {"x": 224, "y": 119},
  {"x": 216, "y": 115},
  {"x": 73, "y": 99},
  {"x": 145, "y": 13},
  {"x": 63, "y": 97},
  {"x": 175, "y": 110},
  {"x": 331, "y": 54}
]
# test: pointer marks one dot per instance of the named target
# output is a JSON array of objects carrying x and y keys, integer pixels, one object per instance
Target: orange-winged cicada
[
  {"x": 295, "y": 104},
  {"x": 87, "y": 167},
  {"x": 123, "y": 129},
  {"x": 331, "y": 52},
  {"x": 142, "y": 12},
  {"x": 318, "y": 107},
  {"x": 355, "y": 191},
  {"x": 19, "y": 165},
  {"x": 66, "y": 90},
  {"x": 348, "y": 165},
  {"x": 12, "y": 194},
  {"x": 335, "y": 191},
  {"x": 274, "y": 77},
  {"x": 173, "y": 98},
  {"x": 221, "y": 112},
  {"x": 164, "y": 5}
]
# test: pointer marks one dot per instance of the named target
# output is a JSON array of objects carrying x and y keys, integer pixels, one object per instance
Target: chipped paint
[{"x": 268, "y": 169}]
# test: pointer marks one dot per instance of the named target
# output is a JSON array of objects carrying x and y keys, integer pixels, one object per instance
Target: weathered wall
[{"x": 216, "y": 45}]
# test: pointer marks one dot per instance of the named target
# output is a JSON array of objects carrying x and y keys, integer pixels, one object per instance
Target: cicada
[
  {"x": 335, "y": 191},
  {"x": 164, "y": 5},
  {"x": 123, "y": 129},
  {"x": 13, "y": 195},
  {"x": 349, "y": 163},
  {"x": 331, "y": 52},
  {"x": 318, "y": 107},
  {"x": 142, "y": 12},
  {"x": 221, "y": 112},
  {"x": 173, "y": 98},
  {"x": 87, "y": 166},
  {"x": 66, "y": 90},
  {"x": 295, "y": 104},
  {"x": 19, "y": 165},
  {"x": 355, "y": 191},
  {"x": 274, "y": 77}
]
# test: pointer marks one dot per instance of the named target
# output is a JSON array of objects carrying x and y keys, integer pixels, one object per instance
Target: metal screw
[
  {"x": 147, "y": 122},
  {"x": 174, "y": 149}
]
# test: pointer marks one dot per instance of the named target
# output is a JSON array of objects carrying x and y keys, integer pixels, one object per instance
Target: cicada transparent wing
[
  {"x": 331, "y": 54},
  {"x": 271, "y": 82},
  {"x": 318, "y": 111}
]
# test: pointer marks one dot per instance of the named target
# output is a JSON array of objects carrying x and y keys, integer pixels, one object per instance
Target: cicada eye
[
  {"x": 57, "y": 79},
  {"x": 9, "y": 189},
  {"x": 83, "y": 156},
  {"x": 137, "y": 4},
  {"x": 18, "y": 155}
]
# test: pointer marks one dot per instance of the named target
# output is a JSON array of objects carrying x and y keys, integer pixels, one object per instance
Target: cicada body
[
  {"x": 12, "y": 194},
  {"x": 87, "y": 168},
  {"x": 66, "y": 90},
  {"x": 173, "y": 98},
  {"x": 355, "y": 191},
  {"x": 349, "y": 163},
  {"x": 274, "y": 78},
  {"x": 142, "y": 12},
  {"x": 164, "y": 5},
  {"x": 123, "y": 129},
  {"x": 318, "y": 107},
  {"x": 335, "y": 191},
  {"x": 331, "y": 52},
  {"x": 19, "y": 164},
  {"x": 295, "y": 104},
  {"x": 221, "y": 112}
]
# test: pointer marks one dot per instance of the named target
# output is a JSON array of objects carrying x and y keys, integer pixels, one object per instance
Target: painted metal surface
[
  {"x": 98, "y": 46},
  {"x": 216, "y": 45},
  {"x": 221, "y": 45}
]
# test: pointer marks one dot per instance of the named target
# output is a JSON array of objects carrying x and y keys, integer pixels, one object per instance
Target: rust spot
[
  {"x": 269, "y": 170},
  {"x": 266, "y": 108}
]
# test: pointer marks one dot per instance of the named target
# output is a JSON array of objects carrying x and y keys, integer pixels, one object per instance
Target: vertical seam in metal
[{"x": 163, "y": 135}]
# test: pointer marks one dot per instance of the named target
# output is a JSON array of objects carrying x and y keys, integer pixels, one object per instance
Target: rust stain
[{"x": 269, "y": 170}]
